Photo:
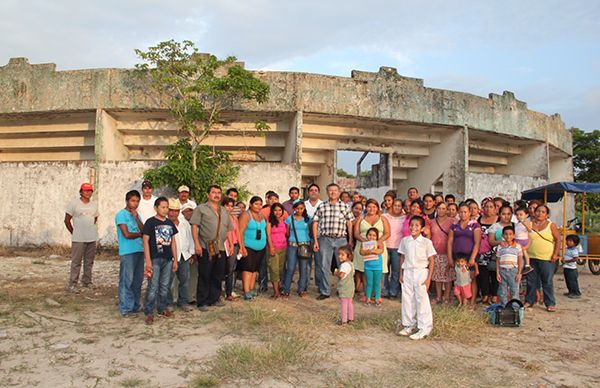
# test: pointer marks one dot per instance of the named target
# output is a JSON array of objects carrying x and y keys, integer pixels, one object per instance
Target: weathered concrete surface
[
  {"x": 382, "y": 95},
  {"x": 262, "y": 177},
  {"x": 34, "y": 198}
]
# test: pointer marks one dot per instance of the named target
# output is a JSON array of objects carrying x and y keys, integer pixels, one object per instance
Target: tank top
[
  {"x": 542, "y": 243},
  {"x": 253, "y": 226}
]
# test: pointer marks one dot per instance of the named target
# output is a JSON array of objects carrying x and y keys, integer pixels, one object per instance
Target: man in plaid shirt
[{"x": 331, "y": 223}]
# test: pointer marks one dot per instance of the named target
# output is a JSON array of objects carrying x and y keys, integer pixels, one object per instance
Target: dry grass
[{"x": 457, "y": 324}]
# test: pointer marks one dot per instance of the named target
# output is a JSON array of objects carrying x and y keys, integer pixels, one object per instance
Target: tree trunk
[{"x": 194, "y": 156}]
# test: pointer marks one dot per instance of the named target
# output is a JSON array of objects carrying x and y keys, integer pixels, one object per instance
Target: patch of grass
[
  {"x": 114, "y": 372},
  {"x": 131, "y": 383},
  {"x": 456, "y": 324},
  {"x": 255, "y": 361},
  {"x": 204, "y": 381},
  {"x": 38, "y": 262}
]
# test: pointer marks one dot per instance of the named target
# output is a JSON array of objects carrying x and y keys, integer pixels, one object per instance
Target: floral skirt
[{"x": 441, "y": 272}]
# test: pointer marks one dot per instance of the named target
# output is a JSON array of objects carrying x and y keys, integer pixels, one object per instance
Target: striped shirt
[{"x": 509, "y": 256}]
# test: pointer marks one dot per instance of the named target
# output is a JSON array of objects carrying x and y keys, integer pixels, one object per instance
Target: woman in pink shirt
[
  {"x": 391, "y": 280},
  {"x": 443, "y": 271},
  {"x": 277, "y": 240}
]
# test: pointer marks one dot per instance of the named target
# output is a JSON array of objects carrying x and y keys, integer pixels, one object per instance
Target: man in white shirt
[
  {"x": 185, "y": 250},
  {"x": 146, "y": 206},
  {"x": 184, "y": 196},
  {"x": 416, "y": 267},
  {"x": 311, "y": 205}
]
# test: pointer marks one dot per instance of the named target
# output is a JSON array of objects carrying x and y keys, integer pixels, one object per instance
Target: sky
[{"x": 547, "y": 52}]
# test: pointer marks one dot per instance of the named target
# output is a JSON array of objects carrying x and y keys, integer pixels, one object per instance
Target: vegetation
[
  {"x": 586, "y": 165},
  {"x": 341, "y": 173}
]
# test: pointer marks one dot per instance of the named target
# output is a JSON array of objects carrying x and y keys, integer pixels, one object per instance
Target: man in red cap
[{"x": 80, "y": 219}]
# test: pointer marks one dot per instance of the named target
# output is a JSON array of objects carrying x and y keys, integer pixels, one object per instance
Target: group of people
[{"x": 193, "y": 254}]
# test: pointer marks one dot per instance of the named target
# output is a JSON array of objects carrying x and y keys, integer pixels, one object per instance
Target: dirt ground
[{"x": 50, "y": 338}]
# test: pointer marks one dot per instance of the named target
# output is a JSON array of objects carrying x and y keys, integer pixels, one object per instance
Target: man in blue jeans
[
  {"x": 331, "y": 223},
  {"x": 131, "y": 252}
]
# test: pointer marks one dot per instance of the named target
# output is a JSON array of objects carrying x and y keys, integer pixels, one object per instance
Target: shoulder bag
[{"x": 303, "y": 248}]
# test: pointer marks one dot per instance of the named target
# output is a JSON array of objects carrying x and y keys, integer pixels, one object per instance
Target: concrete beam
[
  {"x": 482, "y": 169},
  {"x": 488, "y": 159},
  {"x": 309, "y": 143},
  {"x": 500, "y": 148},
  {"x": 310, "y": 170},
  {"x": 43, "y": 156},
  {"x": 216, "y": 141},
  {"x": 63, "y": 142},
  {"x": 385, "y": 135},
  {"x": 404, "y": 162}
]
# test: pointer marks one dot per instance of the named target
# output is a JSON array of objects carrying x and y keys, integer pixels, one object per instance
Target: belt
[
  {"x": 334, "y": 235},
  {"x": 295, "y": 244}
]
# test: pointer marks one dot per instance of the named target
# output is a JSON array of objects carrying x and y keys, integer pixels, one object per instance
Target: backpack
[{"x": 511, "y": 315}]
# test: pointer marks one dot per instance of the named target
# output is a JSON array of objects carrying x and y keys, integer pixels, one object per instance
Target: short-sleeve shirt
[
  {"x": 508, "y": 257},
  {"x": 146, "y": 208},
  {"x": 570, "y": 254},
  {"x": 416, "y": 251},
  {"x": 161, "y": 235},
  {"x": 464, "y": 239},
  {"x": 128, "y": 246},
  {"x": 301, "y": 230},
  {"x": 207, "y": 220},
  {"x": 332, "y": 218},
  {"x": 83, "y": 216},
  {"x": 310, "y": 209}
]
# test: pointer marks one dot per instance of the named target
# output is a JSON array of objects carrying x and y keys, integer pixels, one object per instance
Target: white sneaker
[
  {"x": 419, "y": 335},
  {"x": 406, "y": 331}
]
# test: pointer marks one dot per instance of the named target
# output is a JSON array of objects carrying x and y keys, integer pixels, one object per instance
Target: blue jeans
[
  {"x": 571, "y": 276},
  {"x": 158, "y": 286},
  {"x": 292, "y": 259},
  {"x": 131, "y": 276},
  {"x": 315, "y": 257},
  {"x": 543, "y": 270},
  {"x": 183, "y": 276},
  {"x": 328, "y": 247},
  {"x": 508, "y": 283},
  {"x": 391, "y": 280}
]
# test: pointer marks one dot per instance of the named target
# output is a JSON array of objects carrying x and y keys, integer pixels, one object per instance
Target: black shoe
[
  {"x": 574, "y": 296},
  {"x": 321, "y": 297},
  {"x": 567, "y": 294}
]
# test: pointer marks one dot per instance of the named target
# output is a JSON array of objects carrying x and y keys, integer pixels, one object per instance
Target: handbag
[
  {"x": 303, "y": 248},
  {"x": 213, "y": 245}
]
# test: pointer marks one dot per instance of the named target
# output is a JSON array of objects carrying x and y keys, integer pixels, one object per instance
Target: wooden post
[
  {"x": 545, "y": 196},
  {"x": 583, "y": 214}
]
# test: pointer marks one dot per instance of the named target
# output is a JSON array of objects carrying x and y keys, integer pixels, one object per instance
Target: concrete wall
[
  {"x": 34, "y": 198},
  {"x": 262, "y": 177}
]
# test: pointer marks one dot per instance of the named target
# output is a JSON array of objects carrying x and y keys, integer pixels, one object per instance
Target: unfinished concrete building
[{"x": 60, "y": 128}]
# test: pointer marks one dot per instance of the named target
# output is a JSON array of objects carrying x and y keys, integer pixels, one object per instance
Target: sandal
[{"x": 551, "y": 309}]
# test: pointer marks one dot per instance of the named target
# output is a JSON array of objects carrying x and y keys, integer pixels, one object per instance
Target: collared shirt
[
  {"x": 416, "y": 251},
  {"x": 332, "y": 218},
  {"x": 185, "y": 242},
  {"x": 289, "y": 206},
  {"x": 206, "y": 218},
  {"x": 310, "y": 209}
]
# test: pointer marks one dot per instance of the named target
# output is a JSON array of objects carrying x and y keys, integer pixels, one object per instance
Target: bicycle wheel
[{"x": 594, "y": 266}]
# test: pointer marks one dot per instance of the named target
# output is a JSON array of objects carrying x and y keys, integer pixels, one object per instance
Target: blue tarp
[{"x": 556, "y": 190}]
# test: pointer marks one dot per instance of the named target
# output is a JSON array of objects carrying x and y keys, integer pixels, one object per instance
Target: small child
[
  {"x": 417, "y": 257},
  {"x": 346, "y": 285},
  {"x": 570, "y": 267},
  {"x": 522, "y": 229},
  {"x": 462, "y": 284},
  {"x": 160, "y": 249},
  {"x": 509, "y": 265},
  {"x": 371, "y": 251}
]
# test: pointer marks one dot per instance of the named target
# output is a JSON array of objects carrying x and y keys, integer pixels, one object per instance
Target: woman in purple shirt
[{"x": 464, "y": 239}]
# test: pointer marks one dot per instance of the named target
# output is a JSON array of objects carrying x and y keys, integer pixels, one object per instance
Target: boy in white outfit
[{"x": 416, "y": 267}]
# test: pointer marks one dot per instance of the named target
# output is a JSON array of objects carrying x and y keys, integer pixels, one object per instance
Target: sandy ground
[{"x": 94, "y": 346}]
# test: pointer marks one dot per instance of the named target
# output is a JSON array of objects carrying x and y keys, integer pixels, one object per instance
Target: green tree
[
  {"x": 344, "y": 174},
  {"x": 199, "y": 87},
  {"x": 586, "y": 163},
  {"x": 215, "y": 169}
]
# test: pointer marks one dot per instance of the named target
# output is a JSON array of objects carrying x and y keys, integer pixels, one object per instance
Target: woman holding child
[
  {"x": 372, "y": 219},
  {"x": 464, "y": 239}
]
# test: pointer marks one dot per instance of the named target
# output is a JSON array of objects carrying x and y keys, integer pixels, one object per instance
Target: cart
[{"x": 554, "y": 192}]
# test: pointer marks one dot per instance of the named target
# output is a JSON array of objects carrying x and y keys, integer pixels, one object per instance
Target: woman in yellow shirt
[{"x": 543, "y": 251}]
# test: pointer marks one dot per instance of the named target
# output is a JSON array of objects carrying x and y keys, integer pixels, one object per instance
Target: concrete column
[
  {"x": 293, "y": 144},
  {"x": 448, "y": 160},
  {"x": 109, "y": 141},
  {"x": 327, "y": 175},
  {"x": 533, "y": 161}
]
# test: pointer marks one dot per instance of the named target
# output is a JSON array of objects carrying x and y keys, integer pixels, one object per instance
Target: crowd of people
[{"x": 424, "y": 249}]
